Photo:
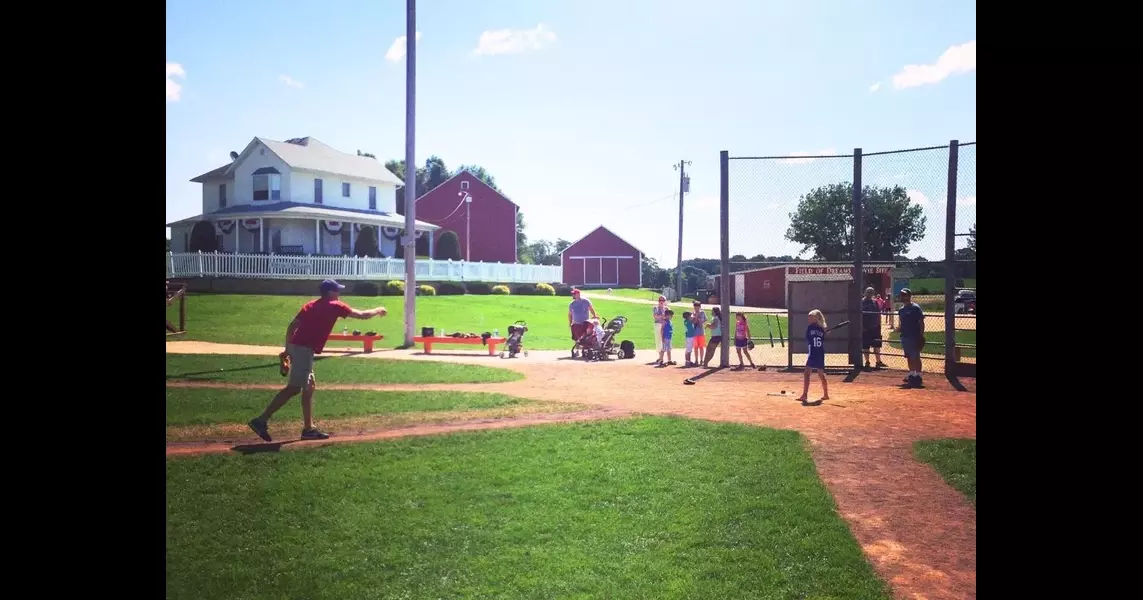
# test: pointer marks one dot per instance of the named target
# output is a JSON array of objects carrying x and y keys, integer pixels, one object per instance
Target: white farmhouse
[{"x": 297, "y": 197}]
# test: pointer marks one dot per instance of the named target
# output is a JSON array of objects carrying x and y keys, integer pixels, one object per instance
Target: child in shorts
[
  {"x": 668, "y": 331},
  {"x": 815, "y": 338},
  {"x": 691, "y": 330},
  {"x": 742, "y": 339}
]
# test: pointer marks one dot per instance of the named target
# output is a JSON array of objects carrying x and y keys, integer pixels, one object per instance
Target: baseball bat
[
  {"x": 770, "y": 330},
  {"x": 838, "y": 326},
  {"x": 781, "y": 339}
]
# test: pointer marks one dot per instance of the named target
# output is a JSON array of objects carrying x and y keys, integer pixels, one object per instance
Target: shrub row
[{"x": 457, "y": 288}]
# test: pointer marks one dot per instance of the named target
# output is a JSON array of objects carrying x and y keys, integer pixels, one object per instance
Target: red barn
[
  {"x": 766, "y": 287},
  {"x": 486, "y": 227},
  {"x": 602, "y": 259}
]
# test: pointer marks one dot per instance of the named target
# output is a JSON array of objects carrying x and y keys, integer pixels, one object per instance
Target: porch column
[
  {"x": 237, "y": 238},
  {"x": 431, "y": 251},
  {"x": 261, "y": 233},
  {"x": 351, "y": 228},
  {"x": 317, "y": 236}
]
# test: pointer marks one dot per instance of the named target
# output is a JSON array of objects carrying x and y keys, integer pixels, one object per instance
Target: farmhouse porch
[{"x": 290, "y": 228}]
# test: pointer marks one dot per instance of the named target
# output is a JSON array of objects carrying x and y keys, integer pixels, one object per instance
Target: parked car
[{"x": 965, "y": 301}]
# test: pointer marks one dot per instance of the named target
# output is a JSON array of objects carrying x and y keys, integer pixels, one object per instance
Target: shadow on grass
[{"x": 262, "y": 447}]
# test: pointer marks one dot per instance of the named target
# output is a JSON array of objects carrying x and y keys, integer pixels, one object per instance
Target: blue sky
[{"x": 579, "y": 109}]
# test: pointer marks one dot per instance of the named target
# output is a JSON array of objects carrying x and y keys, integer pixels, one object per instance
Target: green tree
[
  {"x": 366, "y": 243},
  {"x": 823, "y": 222},
  {"x": 448, "y": 246},
  {"x": 367, "y": 154},
  {"x": 521, "y": 237},
  {"x": 654, "y": 276},
  {"x": 972, "y": 239},
  {"x": 202, "y": 237}
]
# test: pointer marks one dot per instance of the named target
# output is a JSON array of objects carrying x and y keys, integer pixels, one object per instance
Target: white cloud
[
  {"x": 174, "y": 89},
  {"x": 399, "y": 48},
  {"x": 514, "y": 41},
  {"x": 917, "y": 197},
  {"x": 957, "y": 59},
  {"x": 875, "y": 87},
  {"x": 802, "y": 161},
  {"x": 291, "y": 82},
  {"x": 969, "y": 200}
]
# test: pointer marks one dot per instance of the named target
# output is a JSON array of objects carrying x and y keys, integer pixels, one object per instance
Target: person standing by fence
[
  {"x": 912, "y": 321},
  {"x": 871, "y": 327}
]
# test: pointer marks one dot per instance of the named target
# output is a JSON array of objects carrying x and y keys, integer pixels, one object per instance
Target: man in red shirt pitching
[{"x": 306, "y": 337}]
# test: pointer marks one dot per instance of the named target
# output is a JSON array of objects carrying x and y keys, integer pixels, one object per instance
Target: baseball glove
[{"x": 284, "y": 364}]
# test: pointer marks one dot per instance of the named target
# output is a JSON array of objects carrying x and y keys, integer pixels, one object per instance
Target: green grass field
[
  {"x": 954, "y": 459},
  {"x": 212, "y": 413},
  {"x": 250, "y": 319},
  {"x": 963, "y": 336},
  {"x": 227, "y": 368},
  {"x": 935, "y": 285},
  {"x": 640, "y": 293},
  {"x": 643, "y": 508}
]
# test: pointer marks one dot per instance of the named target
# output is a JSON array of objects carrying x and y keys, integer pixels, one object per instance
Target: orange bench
[
  {"x": 429, "y": 341},
  {"x": 366, "y": 339}
]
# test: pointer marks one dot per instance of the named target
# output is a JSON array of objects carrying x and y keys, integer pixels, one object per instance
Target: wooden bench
[
  {"x": 493, "y": 342},
  {"x": 366, "y": 339}
]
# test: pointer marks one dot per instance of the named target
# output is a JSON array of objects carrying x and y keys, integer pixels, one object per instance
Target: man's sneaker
[
  {"x": 881, "y": 365},
  {"x": 867, "y": 367},
  {"x": 259, "y": 427},
  {"x": 314, "y": 434}
]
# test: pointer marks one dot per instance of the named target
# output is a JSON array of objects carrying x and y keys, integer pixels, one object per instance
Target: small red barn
[
  {"x": 602, "y": 259},
  {"x": 488, "y": 222},
  {"x": 766, "y": 287}
]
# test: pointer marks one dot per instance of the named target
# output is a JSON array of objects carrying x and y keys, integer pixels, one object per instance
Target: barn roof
[
  {"x": 457, "y": 174},
  {"x": 572, "y": 245}
]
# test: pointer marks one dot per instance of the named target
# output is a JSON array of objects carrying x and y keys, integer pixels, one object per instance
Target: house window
[
  {"x": 345, "y": 190},
  {"x": 222, "y": 195},
  {"x": 317, "y": 191},
  {"x": 372, "y": 198},
  {"x": 267, "y": 184},
  {"x": 463, "y": 186}
]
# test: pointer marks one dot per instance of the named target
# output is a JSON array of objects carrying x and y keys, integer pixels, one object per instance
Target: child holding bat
[{"x": 815, "y": 337}]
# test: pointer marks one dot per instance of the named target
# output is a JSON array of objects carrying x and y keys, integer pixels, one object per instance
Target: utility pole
[
  {"x": 409, "y": 239},
  {"x": 467, "y": 227},
  {"x": 684, "y": 186}
]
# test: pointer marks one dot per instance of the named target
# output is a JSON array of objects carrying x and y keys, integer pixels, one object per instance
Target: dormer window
[
  {"x": 464, "y": 186},
  {"x": 267, "y": 184}
]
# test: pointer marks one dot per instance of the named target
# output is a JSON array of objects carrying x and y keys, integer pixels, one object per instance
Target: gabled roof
[
  {"x": 219, "y": 173},
  {"x": 457, "y": 174},
  {"x": 593, "y": 231},
  {"x": 310, "y": 154}
]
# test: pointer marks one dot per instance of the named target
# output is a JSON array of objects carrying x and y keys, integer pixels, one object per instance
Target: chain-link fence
[{"x": 789, "y": 230}]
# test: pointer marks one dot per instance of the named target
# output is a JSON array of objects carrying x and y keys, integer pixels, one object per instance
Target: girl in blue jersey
[{"x": 815, "y": 338}]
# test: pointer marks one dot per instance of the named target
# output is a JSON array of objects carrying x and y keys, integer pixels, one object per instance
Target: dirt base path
[{"x": 919, "y": 533}]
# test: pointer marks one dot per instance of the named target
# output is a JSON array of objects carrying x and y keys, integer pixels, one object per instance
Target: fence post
[
  {"x": 171, "y": 259},
  {"x": 950, "y": 263},
  {"x": 724, "y": 283},
  {"x": 200, "y": 273},
  {"x": 858, "y": 265}
]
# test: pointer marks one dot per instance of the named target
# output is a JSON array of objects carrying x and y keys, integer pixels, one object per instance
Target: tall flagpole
[{"x": 408, "y": 240}]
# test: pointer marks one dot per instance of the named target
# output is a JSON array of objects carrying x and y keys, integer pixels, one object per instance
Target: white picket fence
[{"x": 270, "y": 266}]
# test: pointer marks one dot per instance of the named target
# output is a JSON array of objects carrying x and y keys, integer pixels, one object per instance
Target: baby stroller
[
  {"x": 515, "y": 343},
  {"x": 591, "y": 348}
]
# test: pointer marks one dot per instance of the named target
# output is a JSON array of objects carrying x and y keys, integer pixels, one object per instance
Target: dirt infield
[{"x": 919, "y": 534}]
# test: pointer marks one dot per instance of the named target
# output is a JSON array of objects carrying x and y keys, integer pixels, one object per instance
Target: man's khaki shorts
[{"x": 301, "y": 365}]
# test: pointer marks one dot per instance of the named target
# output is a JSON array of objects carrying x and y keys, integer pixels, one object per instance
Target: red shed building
[
  {"x": 486, "y": 227},
  {"x": 766, "y": 287},
  {"x": 602, "y": 259}
]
